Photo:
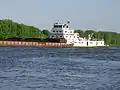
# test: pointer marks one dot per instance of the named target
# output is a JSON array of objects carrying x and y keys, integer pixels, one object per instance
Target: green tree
[
  {"x": 45, "y": 32},
  {"x": 10, "y": 29}
]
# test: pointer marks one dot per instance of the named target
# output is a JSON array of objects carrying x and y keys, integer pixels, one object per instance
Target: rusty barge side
[{"x": 41, "y": 44}]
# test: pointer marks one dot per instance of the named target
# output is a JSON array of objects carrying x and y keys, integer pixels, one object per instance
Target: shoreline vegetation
[{"x": 13, "y": 31}]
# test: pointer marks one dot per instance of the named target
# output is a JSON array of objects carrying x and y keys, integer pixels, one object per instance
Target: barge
[{"x": 41, "y": 44}]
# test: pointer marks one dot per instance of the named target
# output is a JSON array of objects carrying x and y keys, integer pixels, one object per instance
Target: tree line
[{"x": 12, "y": 30}]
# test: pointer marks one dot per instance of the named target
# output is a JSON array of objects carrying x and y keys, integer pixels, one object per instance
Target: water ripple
[{"x": 34, "y": 68}]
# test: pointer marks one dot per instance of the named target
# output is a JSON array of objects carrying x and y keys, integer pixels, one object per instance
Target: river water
[{"x": 35, "y": 68}]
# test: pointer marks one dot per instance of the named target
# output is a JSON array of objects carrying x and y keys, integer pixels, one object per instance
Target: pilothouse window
[
  {"x": 57, "y": 26},
  {"x": 65, "y": 26}
]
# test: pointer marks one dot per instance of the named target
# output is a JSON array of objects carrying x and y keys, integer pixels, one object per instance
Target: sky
[{"x": 97, "y": 15}]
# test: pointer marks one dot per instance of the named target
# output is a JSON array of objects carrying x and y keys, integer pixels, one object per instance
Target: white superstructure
[{"x": 62, "y": 31}]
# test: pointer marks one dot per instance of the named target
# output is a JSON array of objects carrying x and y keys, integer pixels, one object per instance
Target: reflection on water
[{"x": 35, "y": 68}]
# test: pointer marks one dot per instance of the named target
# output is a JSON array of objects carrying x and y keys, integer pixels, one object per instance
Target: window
[
  {"x": 52, "y": 36},
  {"x": 96, "y": 43},
  {"x": 60, "y": 26},
  {"x": 56, "y": 31},
  {"x": 66, "y": 31},
  {"x": 91, "y": 43},
  {"x": 53, "y": 31},
  {"x": 60, "y": 31},
  {"x": 57, "y": 26},
  {"x": 81, "y": 42},
  {"x": 60, "y": 36},
  {"x": 64, "y": 25}
]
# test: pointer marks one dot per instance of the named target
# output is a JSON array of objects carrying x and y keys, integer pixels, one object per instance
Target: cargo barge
[{"x": 41, "y": 44}]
